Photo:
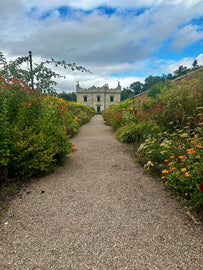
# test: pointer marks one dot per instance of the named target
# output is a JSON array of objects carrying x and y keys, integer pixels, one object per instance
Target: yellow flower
[
  {"x": 183, "y": 170},
  {"x": 76, "y": 119},
  {"x": 197, "y": 146}
]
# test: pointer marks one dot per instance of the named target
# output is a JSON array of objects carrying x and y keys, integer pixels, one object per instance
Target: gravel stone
[{"x": 100, "y": 211}]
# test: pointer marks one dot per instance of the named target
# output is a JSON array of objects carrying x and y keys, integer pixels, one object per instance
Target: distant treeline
[
  {"x": 71, "y": 96},
  {"x": 153, "y": 84}
]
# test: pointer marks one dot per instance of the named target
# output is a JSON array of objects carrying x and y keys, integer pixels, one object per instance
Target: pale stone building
[{"x": 99, "y": 98}]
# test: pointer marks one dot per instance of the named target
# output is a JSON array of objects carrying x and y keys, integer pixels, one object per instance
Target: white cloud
[
  {"x": 121, "y": 43},
  {"x": 186, "y": 36}
]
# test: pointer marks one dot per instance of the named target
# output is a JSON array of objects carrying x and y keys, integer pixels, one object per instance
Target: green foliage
[
  {"x": 136, "y": 132},
  {"x": 68, "y": 96},
  {"x": 35, "y": 129},
  {"x": 126, "y": 94},
  {"x": 153, "y": 84},
  {"x": 137, "y": 87},
  {"x": 169, "y": 128},
  {"x": 155, "y": 89}
]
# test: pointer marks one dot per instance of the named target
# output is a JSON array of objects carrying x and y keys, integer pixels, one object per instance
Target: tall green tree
[
  {"x": 126, "y": 93},
  {"x": 152, "y": 80},
  {"x": 181, "y": 71},
  {"x": 136, "y": 87},
  {"x": 195, "y": 65}
]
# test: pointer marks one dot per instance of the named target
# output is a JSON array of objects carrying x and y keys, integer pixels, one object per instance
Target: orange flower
[
  {"x": 170, "y": 164},
  {"x": 166, "y": 160},
  {"x": 172, "y": 156},
  {"x": 181, "y": 163},
  {"x": 191, "y": 150},
  {"x": 163, "y": 177},
  {"x": 54, "y": 139},
  {"x": 173, "y": 168},
  {"x": 183, "y": 170},
  {"x": 76, "y": 119},
  {"x": 196, "y": 163},
  {"x": 67, "y": 150},
  {"x": 187, "y": 174},
  {"x": 165, "y": 171},
  {"x": 74, "y": 150},
  {"x": 180, "y": 157},
  {"x": 72, "y": 145}
]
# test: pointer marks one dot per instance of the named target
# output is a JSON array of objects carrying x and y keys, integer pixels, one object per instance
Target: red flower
[{"x": 201, "y": 187}]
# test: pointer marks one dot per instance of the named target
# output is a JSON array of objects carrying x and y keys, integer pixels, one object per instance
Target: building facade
[{"x": 99, "y": 98}]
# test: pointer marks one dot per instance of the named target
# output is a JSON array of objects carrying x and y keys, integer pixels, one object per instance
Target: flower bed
[
  {"x": 35, "y": 129},
  {"x": 169, "y": 130}
]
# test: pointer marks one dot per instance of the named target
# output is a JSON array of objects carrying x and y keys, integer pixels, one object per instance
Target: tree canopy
[{"x": 153, "y": 84}]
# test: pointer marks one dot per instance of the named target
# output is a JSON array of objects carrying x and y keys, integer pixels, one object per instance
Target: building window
[
  {"x": 85, "y": 98},
  {"x": 111, "y": 98},
  {"x": 98, "y": 98}
]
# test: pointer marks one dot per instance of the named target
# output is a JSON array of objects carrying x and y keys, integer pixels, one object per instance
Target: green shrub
[
  {"x": 137, "y": 132},
  {"x": 35, "y": 129}
]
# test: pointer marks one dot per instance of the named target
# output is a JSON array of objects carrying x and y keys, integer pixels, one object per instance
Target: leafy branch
[{"x": 41, "y": 75}]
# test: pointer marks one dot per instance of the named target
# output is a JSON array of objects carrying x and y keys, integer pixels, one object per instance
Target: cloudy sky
[{"x": 118, "y": 40}]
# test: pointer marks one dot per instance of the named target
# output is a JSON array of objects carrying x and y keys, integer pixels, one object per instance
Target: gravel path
[{"x": 99, "y": 211}]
